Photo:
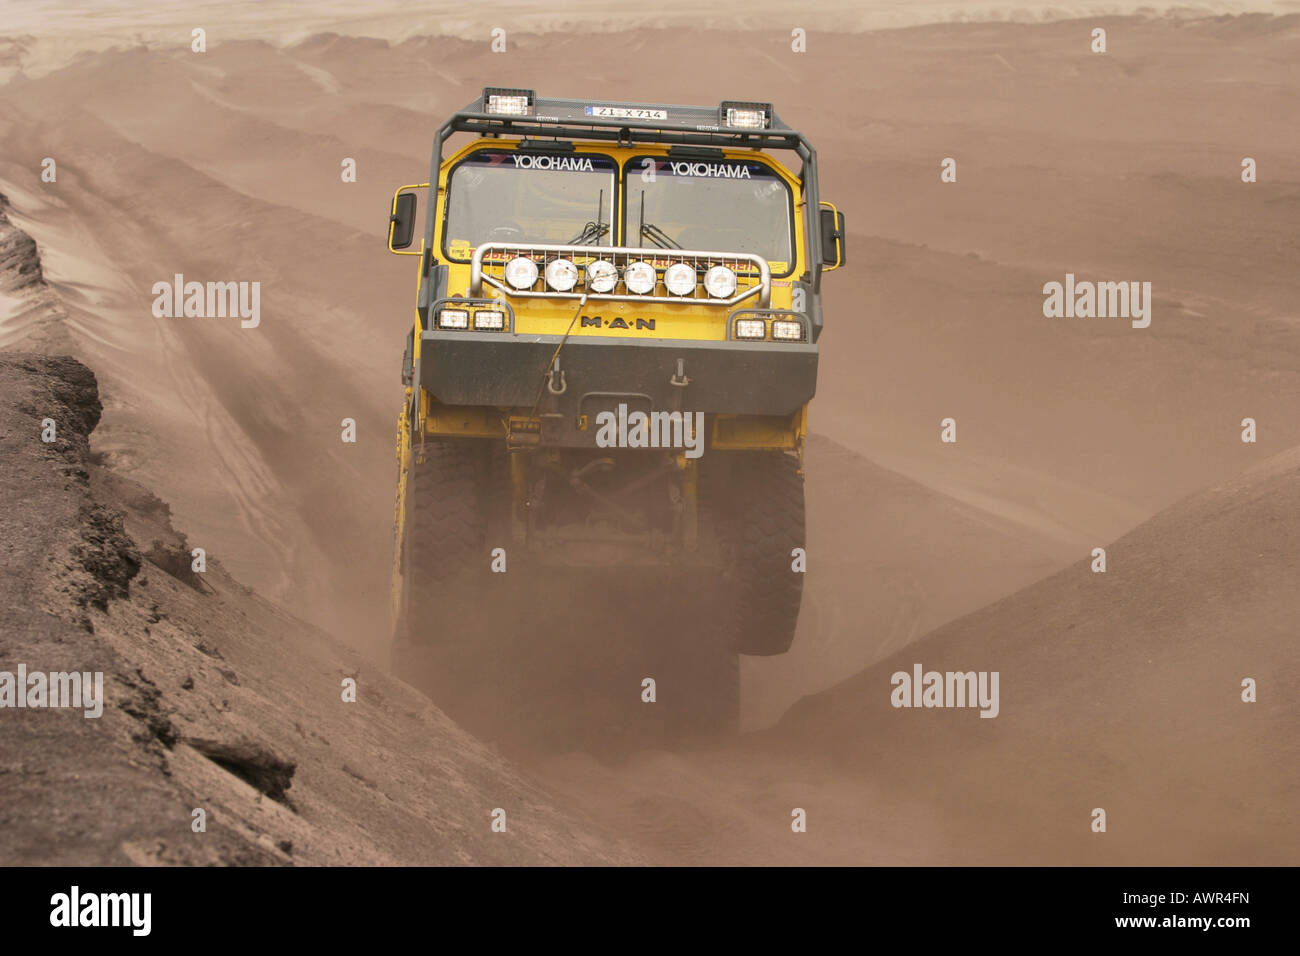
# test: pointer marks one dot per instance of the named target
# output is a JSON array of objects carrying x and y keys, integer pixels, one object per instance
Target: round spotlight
[
  {"x": 639, "y": 278},
  {"x": 720, "y": 282},
  {"x": 679, "y": 279},
  {"x": 602, "y": 276},
  {"x": 561, "y": 274},
  {"x": 521, "y": 272}
]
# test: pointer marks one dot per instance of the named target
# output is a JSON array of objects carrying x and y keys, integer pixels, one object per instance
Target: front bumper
[{"x": 507, "y": 370}]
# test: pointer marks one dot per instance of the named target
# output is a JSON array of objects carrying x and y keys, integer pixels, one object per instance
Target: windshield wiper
[
  {"x": 595, "y": 229},
  {"x": 591, "y": 232},
  {"x": 656, "y": 235},
  {"x": 649, "y": 230}
]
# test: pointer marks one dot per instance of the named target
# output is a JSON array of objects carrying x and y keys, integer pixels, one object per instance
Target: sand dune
[
  {"x": 1120, "y": 690},
  {"x": 45, "y": 34},
  {"x": 891, "y": 560}
]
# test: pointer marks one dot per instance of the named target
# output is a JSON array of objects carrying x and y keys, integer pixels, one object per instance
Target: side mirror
[
  {"x": 833, "y": 235},
  {"x": 401, "y": 221}
]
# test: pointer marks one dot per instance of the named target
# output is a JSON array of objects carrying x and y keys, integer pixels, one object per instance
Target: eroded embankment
[{"x": 212, "y": 699}]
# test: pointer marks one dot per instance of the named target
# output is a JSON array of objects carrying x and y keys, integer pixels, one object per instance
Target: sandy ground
[{"x": 1072, "y": 432}]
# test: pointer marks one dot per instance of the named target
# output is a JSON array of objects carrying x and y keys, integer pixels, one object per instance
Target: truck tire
[
  {"x": 768, "y": 524},
  {"x": 446, "y": 562}
]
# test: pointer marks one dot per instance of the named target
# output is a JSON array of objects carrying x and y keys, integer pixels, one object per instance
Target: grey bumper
[{"x": 503, "y": 369}]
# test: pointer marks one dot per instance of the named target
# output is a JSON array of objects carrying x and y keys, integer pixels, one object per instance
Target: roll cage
[{"x": 690, "y": 132}]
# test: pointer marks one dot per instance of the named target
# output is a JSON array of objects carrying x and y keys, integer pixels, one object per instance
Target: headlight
[
  {"x": 602, "y": 276},
  {"x": 751, "y": 329},
  {"x": 720, "y": 282},
  {"x": 746, "y": 118},
  {"x": 508, "y": 105},
  {"x": 521, "y": 272},
  {"x": 491, "y": 320},
  {"x": 453, "y": 319},
  {"x": 561, "y": 275},
  {"x": 744, "y": 115},
  {"x": 679, "y": 279},
  {"x": 787, "y": 330},
  {"x": 639, "y": 278}
]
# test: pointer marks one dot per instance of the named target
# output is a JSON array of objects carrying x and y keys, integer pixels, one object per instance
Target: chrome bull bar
[{"x": 622, "y": 256}]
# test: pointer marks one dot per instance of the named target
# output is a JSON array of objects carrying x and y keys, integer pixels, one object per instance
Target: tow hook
[{"x": 551, "y": 377}]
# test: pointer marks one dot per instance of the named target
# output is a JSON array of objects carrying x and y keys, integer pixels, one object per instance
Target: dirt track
[{"x": 1120, "y": 690}]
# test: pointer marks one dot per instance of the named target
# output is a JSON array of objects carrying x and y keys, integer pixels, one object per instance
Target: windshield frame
[
  {"x": 632, "y": 167},
  {"x": 612, "y": 205}
]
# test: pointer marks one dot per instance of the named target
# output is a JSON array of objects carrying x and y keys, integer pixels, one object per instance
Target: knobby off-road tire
[
  {"x": 461, "y": 643},
  {"x": 445, "y": 561},
  {"x": 767, "y": 525}
]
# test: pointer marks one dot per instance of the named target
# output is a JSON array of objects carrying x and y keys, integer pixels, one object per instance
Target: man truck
[{"x": 612, "y": 353}]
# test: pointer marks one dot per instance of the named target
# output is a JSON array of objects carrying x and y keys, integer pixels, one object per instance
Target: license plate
[{"x": 626, "y": 112}]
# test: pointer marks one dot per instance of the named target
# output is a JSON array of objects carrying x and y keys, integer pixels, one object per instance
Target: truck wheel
[
  {"x": 446, "y": 562},
  {"x": 768, "y": 525}
]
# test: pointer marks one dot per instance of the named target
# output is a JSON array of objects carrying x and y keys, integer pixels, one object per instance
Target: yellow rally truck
[{"x": 610, "y": 364}]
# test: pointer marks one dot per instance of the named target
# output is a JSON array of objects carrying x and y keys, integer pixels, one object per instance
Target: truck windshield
[
  {"x": 709, "y": 206},
  {"x": 517, "y": 197}
]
